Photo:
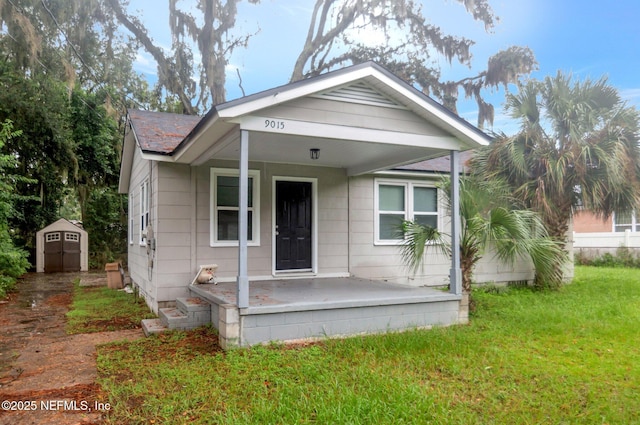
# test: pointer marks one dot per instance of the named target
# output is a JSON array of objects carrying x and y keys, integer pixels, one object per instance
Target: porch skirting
[{"x": 308, "y": 309}]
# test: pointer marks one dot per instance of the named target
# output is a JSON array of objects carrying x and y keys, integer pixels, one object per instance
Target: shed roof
[{"x": 62, "y": 224}]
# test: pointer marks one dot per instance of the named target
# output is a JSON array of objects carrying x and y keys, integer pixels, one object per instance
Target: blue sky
[{"x": 586, "y": 38}]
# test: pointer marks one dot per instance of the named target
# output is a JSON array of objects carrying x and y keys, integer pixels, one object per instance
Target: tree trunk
[{"x": 557, "y": 226}]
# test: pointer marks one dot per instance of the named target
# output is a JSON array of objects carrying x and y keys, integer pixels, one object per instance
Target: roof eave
[
  {"x": 208, "y": 120},
  {"x": 468, "y": 133}
]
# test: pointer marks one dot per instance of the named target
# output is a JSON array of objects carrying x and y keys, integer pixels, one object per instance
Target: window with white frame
[
  {"x": 71, "y": 237},
  {"x": 396, "y": 201},
  {"x": 626, "y": 221},
  {"x": 225, "y": 208},
  {"x": 144, "y": 209},
  {"x": 131, "y": 219},
  {"x": 53, "y": 237}
]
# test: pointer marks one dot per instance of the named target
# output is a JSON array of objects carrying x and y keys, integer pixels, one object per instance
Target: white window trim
[
  {"x": 408, "y": 207},
  {"x": 131, "y": 219},
  {"x": 71, "y": 237},
  {"x": 635, "y": 225},
  {"x": 213, "y": 216},
  {"x": 144, "y": 209},
  {"x": 53, "y": 237}
]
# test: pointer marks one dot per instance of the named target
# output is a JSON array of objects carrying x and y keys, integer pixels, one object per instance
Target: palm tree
[
  {"x": 489, "y": 221},
  {"x": 577, "y": 146}
]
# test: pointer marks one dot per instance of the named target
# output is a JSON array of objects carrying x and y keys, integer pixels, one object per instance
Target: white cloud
[
  {"x": 631, "y": 95},
  {"x": 145, "y": 64}
]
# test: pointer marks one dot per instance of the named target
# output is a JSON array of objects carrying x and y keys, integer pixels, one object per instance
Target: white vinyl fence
[{"x": 591, "y": 245}]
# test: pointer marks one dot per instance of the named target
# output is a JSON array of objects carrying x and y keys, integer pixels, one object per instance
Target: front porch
[{"x": 312, "y": 308}]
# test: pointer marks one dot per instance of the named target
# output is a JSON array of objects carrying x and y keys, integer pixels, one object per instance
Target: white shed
[{"x": 62, "y": 247}]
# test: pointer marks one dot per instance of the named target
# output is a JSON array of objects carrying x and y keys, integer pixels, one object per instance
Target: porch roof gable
[{"x": 191, "y": 140}]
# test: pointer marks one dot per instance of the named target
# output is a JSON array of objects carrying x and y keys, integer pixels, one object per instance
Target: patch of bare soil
[{"x": 47, "y": 376}]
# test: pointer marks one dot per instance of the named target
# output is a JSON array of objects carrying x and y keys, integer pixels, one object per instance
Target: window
[
  {"x": 131, "y": 219},
  {"x": 396, "y": 201},
  {"x": 53, "y": 237},
  {"x": 144, "y": 209},
  {"x": 225, "y": 193},
  {"x": 71, "y": 237},
  {"x": 626, "y": 221}
]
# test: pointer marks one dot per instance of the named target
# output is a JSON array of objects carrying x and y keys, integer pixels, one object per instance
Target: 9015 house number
[{"x": 276, "y": 125}]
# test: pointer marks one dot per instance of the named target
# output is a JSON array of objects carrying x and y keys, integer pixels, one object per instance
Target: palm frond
[{"x": 417, "y": 238}]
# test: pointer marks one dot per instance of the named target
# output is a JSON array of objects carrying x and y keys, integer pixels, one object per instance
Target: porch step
[
  {"x": 189, "y": 313},
  {"x": 153, "y": 326},
  {"x": 172, "y": 318}
]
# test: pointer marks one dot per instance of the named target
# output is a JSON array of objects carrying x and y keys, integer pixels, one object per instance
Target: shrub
[
  {"x": 13, "y": 263},
  {"x": 13, "y": 260},
  {"x": 624, "y": 257}
]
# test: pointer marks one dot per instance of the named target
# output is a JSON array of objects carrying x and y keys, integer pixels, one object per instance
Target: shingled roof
[
  {"x": 161, "y": 132},
  {"x": 441, "y": 164}
]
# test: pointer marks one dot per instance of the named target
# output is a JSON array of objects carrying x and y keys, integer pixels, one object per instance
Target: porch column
[
  {"x": 243, "y": 217},
  {"x": 456, "y": 273}
]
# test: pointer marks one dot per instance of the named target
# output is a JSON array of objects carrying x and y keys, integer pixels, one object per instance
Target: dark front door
[{"x": 293, "y": 225}]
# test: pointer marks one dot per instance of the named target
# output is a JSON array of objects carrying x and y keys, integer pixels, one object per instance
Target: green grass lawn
[
  {"x": 98, "y": 309},
  {"x": 565, "y": 357}
]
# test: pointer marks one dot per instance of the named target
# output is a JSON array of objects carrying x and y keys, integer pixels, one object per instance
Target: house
[
  {"x": 594, "y": 236},
  {"x": 295, "y": 194}
]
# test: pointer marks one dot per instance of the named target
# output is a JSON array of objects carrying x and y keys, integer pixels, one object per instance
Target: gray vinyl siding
[
  {"x": 356, "y": 115},
  {"x": 137, "y": 258},
  {"x": 384, "y": 262},
  {"x": 332, "y": 220},
  {"x": 180, "y": 215},
  {"x": 172, "y": 266}
]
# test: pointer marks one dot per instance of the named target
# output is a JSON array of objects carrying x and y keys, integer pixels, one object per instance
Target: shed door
[
  {"x": 293, "y": 225},
  {"x": 61, "y": 252}
]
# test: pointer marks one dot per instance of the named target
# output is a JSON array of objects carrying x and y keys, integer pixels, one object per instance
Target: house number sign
[
  {"x": 267, "y": 124},
  {"x": 274, "y": 124}
]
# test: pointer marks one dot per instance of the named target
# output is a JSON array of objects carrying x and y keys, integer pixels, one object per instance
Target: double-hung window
[
  {"x": 396, "y": 201},
  {"x": 144, "y": 209},
  {"x": 626, "y": 221},
  {"x": 225, "y": 208}
]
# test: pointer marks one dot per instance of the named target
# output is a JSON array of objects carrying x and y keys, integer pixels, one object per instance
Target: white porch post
[
  {"x": 456, "y": 273},
  {"x": 243, "y": 217}
]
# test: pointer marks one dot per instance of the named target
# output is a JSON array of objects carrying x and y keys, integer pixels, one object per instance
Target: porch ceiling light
[{"x": 315, "y": 153}]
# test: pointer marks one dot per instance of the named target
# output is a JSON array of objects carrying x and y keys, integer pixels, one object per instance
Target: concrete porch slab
[
  {"x": 287, "y": 295},
  {"x": 312, "y": 308}
]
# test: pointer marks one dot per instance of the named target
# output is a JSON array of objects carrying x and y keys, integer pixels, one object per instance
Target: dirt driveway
[{"x": 47, "y": 376}]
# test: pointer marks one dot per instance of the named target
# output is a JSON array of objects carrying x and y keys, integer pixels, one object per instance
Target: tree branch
[{"x": 167, "y": 74}]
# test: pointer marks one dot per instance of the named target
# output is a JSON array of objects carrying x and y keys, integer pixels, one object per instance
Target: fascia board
[
  {"x": 446, "y": 117},
  {"x": 128, "y": 151}
]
